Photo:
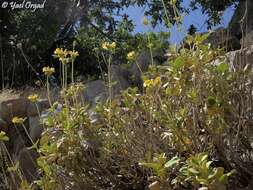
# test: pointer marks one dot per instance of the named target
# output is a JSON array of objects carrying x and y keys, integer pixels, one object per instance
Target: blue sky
[{"x": 195, "y": 17}]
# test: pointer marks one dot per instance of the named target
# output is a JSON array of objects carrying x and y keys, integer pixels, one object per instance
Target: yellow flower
[
  {"x": 131, "y": 55},
  {"x": 105, "y": 45},
  {"x": 150, "y": 45},
  {"x": 59, "y": 52},
  {"x": 33, "y": 98},
  {"x": 157, "y": 81},
  {"x": 145, "y": 21},
  {"x": 174, "y": 2},
  {"x": 152, "y": 82},
  {"x": 109, "y": 46},
  {"x": 48, "y": 70},
  {"x": 18, "y": 120},
  {"x": 73, "y": 54},
  {"x": 113, "y": 45},
  {"x": 147, "y": 83}
]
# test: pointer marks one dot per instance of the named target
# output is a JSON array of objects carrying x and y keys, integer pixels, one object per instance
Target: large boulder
[
  {"x": 240, "y": 58},
  {"x": 3, "y": 125},
  {"x": 242, "y": 19},
  {"x": 35, "y": 128},
  {"x": 34, "y": 109},
  {"x": 19, "y": 142},
  {"x": 247, "y": 40},
  {"x": 21, "y": 107},
  {"x": 95, "y": 92},
  {"x": 12, "y": 108},
  {"x": 27, "y": 162},
  {"x": 221, "y": 37},
  {"x": 142, "y": 63},
  {"x": 119, "y": 79}
]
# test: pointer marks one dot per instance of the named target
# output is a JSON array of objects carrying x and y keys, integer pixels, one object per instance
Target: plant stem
[
  {"x": 48, "y": 92},
  {"x": 110, "y": 88},
  {"x": 72, "y": 70}
]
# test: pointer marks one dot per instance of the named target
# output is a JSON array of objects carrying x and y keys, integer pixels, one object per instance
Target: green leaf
[
  {"x": 14, "y": 168},
  {"x": 208, "y": 164},
  {"x": 223, "y": 67},
  {"x": 211, "y": 100},
  {"x": 172, "y": 162},
  {"x": 178, "y": 63},
  {"x": 204, "y": 157},
  {"x": 193, "y": 171},
  {"x": 223, "y": 179},
  {"x": 202, "y": 181},
  {"x": 3, "y": 136}
]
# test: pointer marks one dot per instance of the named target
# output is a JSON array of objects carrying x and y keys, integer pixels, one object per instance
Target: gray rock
[
  {"x": 141, "y": 65},
  {"x": 240, "y": 58},
  {"x": 222, "y": 38},
  {"x": 247, "y": 40},
  {"x": 119, "y": 79},
  {"x": 27, "y": 162},
  {"x": 18, "y": 144},
  {"x": 35, "y": 128},
  {"x": 94, "y": 92},
  {"x": 3, "y": 125},
  {"x": 235, "y": 23},
  {"x": 33, "y": 109},
  {"x": 12, "y": 108}
]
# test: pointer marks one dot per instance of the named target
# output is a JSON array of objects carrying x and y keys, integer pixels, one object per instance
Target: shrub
[{"x": 161, "y": 138}]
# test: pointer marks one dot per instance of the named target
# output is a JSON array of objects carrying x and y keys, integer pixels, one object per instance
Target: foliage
[
  {"x": 3, "y": 136},
  {"x": 213, "y": 9},
  {"x": 164, "y": 135},
  {"x": 83, "y": 19},
  {"x": 198, "y": 171}
]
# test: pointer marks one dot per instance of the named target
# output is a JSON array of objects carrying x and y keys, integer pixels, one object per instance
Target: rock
[
  {"x": 94, "y": 92},
  {"x": 222, "y": 38},
  {"x": 3, "y": 125},
  {"x": 119, "y": 79},
  {"x": 240, "y": 58},
  {"x": 235, "y": 23},
  {"x": 27, "y": 162},
  {"x": 154, "y": 186},
  {"x": 35, "y": 128},
  {"x": 141, "y": 65},
  {"x": 18, "y": 144},
  {"x": 12, "y": 108},
  {"x": 33, "y": 109},
  {"x": 247, "y": 40}
]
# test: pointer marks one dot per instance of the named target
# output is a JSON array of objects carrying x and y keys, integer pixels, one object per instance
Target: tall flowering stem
[
  {"x": 48, "y": 71},
  {"x": 110, "y": 47},
  {"x": 66, "y": 57}
]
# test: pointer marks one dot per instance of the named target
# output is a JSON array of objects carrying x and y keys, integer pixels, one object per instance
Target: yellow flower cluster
[
  {"x": 33, "y": 98},
  {"x": 152, "y": 82},
  {"x": 59, "y": 52},
  {"x": 18, "y": 120},
  {"x": 73, "y": 54},
  {"x": 65, "y": 56},
  {"x": 109, "y": 46},
  {"x": 131, "y": 56},
  {"x": 48, "y": 70}
]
